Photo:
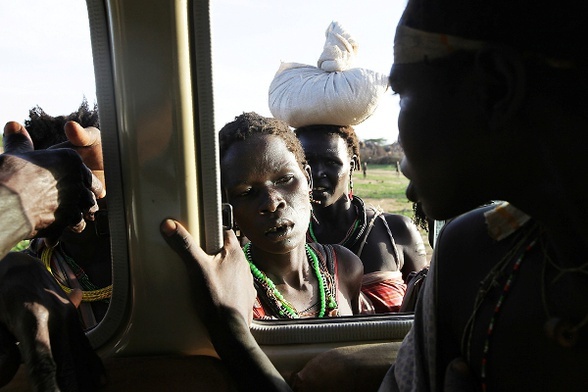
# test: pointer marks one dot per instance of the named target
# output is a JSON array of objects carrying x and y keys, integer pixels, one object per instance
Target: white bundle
[{"x": 332, "y": 93}]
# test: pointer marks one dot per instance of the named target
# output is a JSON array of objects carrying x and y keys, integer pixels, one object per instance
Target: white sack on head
[
  {"x": 339, "y": 50},
  {"x": 332, "y": 93}
]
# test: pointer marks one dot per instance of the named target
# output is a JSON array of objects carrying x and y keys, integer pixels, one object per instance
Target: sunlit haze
[{"x": 47, "y": 58}]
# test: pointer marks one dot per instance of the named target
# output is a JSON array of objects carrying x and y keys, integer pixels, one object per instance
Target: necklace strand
[
  {"x": 284, "y": 307},
  {"x": 356, "y": 229},
  {"x": 497, "y": 308},
  {"x": 87, "y": 295}
]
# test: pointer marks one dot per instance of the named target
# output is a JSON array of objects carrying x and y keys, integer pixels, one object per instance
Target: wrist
[
  {"x": 38, "y": 199},
  {"x": 15, "y": 224}
]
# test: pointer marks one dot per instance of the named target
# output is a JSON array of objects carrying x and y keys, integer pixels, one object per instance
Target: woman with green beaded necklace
[{"x": 267, "y": 181}]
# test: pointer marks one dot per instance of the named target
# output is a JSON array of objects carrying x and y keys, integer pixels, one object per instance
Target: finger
[
  {"x": 16, "y": 138},
  {"x": 78, "y": 227},
  {"x": 88, "y": 203},
  {"x": 97, "y": 185},
  {"x": 181, "y": 241},
  {"x": 94, "y": 184},
  {"x": 87, "y": 143},
  {"x": 80, "y": 136},
  {"x": 66, "y": 217},
  {"x": 89, "y": 214},
  {"x": 231, "y": 239}
]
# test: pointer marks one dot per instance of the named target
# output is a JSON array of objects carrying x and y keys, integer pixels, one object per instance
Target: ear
[
  {"x": 503, "y": 84},
  {"x": 308, "y": 172}
]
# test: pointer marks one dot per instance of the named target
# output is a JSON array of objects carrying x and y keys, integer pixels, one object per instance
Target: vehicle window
[
  {"x": 48, "y": 63},
  {"x": 251, "y": 39},
  {"x": 47, "y": 78}
]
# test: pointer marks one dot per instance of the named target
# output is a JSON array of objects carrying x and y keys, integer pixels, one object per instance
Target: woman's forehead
[
  {"x": 323, "y": 143},
  {"x": 259, "y": 153}
]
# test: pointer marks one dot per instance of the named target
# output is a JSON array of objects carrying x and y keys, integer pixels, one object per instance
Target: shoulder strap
[
  {"x": 378, "y": 213},
  {"x": 392, "y": 242}
]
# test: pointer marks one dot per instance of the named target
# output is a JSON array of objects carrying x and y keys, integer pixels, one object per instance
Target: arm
[
  {"x": 15, "y": 224},
  {"x": 37, "y": 314},
  {"x": 223, "y": 290},
  {"x": 409, "y": 242}
]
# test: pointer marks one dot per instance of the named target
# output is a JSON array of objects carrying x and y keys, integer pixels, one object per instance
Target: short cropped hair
[{"x": 249, "y": 124}]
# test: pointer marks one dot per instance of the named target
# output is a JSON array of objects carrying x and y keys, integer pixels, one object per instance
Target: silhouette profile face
[{"x": 445, "y": 138}]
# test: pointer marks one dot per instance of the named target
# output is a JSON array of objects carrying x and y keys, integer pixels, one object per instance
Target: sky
[{"x": 47, "y": 60}]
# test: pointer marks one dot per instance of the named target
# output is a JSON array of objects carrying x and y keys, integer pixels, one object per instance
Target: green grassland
[{"x": 386, "y": 188}]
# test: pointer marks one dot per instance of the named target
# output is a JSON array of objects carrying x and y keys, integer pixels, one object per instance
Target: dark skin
[
  {"x": 49, "y": 209},
  {"x": 517, "y": 340},
  {"x": 40, "y": 315},
  {"x": 90, "y": 250},
  {"x": 271, "y": 206},
  {"x": 332, "y": 166},
  {"x": 480, "y": 102},
  {"x": 44, "y": 321},
  {"x": 502, "y": 139}
]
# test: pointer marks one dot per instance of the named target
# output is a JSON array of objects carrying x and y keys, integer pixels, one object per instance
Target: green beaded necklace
[
  {"x": 355, "y": 231},
  {"x": 285, "y": 308}
]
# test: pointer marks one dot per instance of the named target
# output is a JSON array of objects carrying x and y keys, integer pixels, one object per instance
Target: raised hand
[
  {"x": 224, "y": 294},
  {"x": 55, "y": 188},
  {"x": 221, "y": 281}
]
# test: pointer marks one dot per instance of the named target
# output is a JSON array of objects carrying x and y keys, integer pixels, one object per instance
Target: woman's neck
[
  {"x": 337, "y": 216},
  {"x": 290, "y": 268}
]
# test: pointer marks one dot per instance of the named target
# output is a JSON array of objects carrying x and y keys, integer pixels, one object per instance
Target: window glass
[
  {"x": 47, "y": 78},
  {"x": 250, "y": 40}
]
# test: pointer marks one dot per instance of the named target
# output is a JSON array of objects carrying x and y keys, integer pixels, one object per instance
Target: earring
[
  {"x": 312, "y": 201},
  {"x": 350, "y": 188}
]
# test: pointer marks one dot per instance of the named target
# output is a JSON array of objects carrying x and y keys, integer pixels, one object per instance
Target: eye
[
  {"x": 285, "y": 179},
  {"x": 242, "y": 192}
]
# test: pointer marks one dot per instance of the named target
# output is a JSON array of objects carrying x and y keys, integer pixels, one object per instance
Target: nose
[
  {"x": 317, "y": 170},
  {"x": 271, "y": 202}
]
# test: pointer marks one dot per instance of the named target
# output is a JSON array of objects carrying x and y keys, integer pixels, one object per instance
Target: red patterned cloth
[{"x": 384, "y": 290}]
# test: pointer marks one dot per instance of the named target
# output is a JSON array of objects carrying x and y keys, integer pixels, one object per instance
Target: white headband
[{"x": 413, "y": 46}]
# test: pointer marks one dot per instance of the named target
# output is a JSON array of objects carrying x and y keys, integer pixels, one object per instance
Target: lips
[
  {"x": 411, "y": 193},
  {"x": 280, "y": 230}
]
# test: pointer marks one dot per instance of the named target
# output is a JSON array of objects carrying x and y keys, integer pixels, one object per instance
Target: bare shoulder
[
  {"x": 348, "y": 262},
  {"x": 400, "y": 223}
]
